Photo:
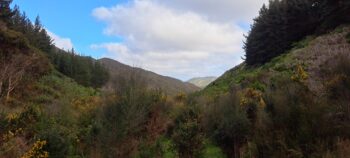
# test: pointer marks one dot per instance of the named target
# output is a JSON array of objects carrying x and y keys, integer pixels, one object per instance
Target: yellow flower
[
  {"x": 37, "y": 151},
  {"x": 262, "y": 103},
  {"x": 300, "y": 74},
  {"x": 11, "y": 117}
]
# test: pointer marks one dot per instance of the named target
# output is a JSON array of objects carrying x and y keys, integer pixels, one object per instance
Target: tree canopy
[
  {"x": 84, "y": 70},
  {"x": 284, "y": 22}
]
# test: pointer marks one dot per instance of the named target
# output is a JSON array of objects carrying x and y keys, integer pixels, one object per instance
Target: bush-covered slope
[
  {"x": 296, "y": 105},
  {"x": 309, "y": 54}
]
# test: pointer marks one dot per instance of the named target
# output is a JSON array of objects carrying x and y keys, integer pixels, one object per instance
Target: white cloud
[
  {"x": 219, "y": 10},
  {"x": 60, "y": 42},
  {"x": 181, "y": 38}
]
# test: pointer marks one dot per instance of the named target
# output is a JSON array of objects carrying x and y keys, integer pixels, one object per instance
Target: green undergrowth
[
  {"x": 56, "y": 86},
  {"x": 258, "y": 77},
  {"x": 164, "y": 148},
  {"x": 252, "y": 77},
  {"x": 212, "y": 151}
]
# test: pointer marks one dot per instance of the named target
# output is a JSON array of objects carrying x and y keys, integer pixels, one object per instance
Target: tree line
[
  {"x": 284, "y": 22},
  {"x": 84, "y": 70}
]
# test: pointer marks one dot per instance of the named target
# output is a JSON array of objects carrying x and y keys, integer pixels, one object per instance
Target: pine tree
[
  {"x": 5, "y": 11},
  {"x": 281, "y": 24},
  {"x": 37, "y": 25},
  {"x": 333, "y": 13},
  {"x": 16, "y": 18}
]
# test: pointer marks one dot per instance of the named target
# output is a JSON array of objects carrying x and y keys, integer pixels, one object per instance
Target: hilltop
[{"x": 202, "y": 82}]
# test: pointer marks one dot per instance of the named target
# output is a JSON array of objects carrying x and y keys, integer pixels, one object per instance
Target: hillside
[
  {"x": 289, "y": 99},
  {"x": 297, "y": 104},
  {"x": 202, "y": 82},
  {"x": 312, "y": 54},
  {"x": 119, "y": 72}
]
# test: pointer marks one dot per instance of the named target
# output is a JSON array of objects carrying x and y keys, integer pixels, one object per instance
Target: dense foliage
[
  {"x": 284, "y": 22},
  {"x": 295, "y": 106},
  {"x": 84, "y": 70}
]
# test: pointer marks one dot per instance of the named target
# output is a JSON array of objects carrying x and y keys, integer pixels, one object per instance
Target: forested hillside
[
  {"x": 121, "y": 74},
  {"x": 53, "y": 104},
  {"x": 289, "y": 98},
  {"x": 284, "y": 22}
]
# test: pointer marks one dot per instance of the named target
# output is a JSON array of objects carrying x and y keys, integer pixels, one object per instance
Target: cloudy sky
[{"x": 178, "y": 38}]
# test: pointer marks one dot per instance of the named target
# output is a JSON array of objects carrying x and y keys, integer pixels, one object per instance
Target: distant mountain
[
  {"x": 202, "y": 82},
  {"x": 120, "y": 72}
]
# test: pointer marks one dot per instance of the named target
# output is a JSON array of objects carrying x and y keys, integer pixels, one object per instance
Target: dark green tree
[
  {"x": 5, "y": 11},
  {"x": 285, "y": 22},
  {"x": 333, "y": 13}
]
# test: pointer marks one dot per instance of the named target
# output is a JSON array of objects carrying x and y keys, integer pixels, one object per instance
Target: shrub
[
  {"x": 162, "y": 147},
  {"x": 187, "y": 134},
  {"x": 348, "y": 37},
  {"x": 130, "y": 115},
  {"x": 227, "y": 124},
  {"x": 57, "y": 142},
  {"x": 337, "y": 77},
  {"x": 300, "y": 75},
  {"x": 37, "y": 151}
]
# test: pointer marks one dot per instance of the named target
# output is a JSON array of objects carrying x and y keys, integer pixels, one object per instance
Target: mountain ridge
[
  {"x": 169, "y": 85},
  {"x": 202, "y": 82}
]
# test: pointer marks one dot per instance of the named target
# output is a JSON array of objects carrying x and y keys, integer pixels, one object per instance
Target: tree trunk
[
  {"x": 9, "y": 89},
  {"x": 236, "y": 151},
  {"x": 230, "y": 152},
  {"x": 0, "y": 88}
]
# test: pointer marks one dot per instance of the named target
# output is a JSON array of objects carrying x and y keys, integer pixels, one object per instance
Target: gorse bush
[
  {"x": 227, "y": 124},
  {"x": 287, "y": 119},
  {"x": 132, "y": 115},
  {"x": 187, "y": 134}
]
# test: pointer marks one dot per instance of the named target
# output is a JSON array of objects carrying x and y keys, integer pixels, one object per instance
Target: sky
[{"x": 177, "y": 38}]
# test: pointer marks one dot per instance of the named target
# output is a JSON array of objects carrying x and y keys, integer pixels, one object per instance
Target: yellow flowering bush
[
  {"x": 86, "y": 104},
  {"x": 11, "y": 117},
  {"x": 252, "y": 96},
  {"x": 11, "y": 134},
  {"x": 300, "y": 74},
  {"x": 37, "y": 151}
]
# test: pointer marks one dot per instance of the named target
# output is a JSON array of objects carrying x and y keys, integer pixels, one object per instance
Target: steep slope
[
  {"x": 202, "y": 82},
  {"x": 119, "y": 72},
  {"x": 310, "y": 55},
  {"x": 298, "y": 98}
]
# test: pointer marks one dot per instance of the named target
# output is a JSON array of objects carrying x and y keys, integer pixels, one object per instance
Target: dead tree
[{"x": 13, "y": 70}]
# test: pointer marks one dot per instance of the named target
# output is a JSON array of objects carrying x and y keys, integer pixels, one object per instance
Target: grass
[
  {"x": 165, "y": 146},
  {"x": 212, "y": 151}
]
